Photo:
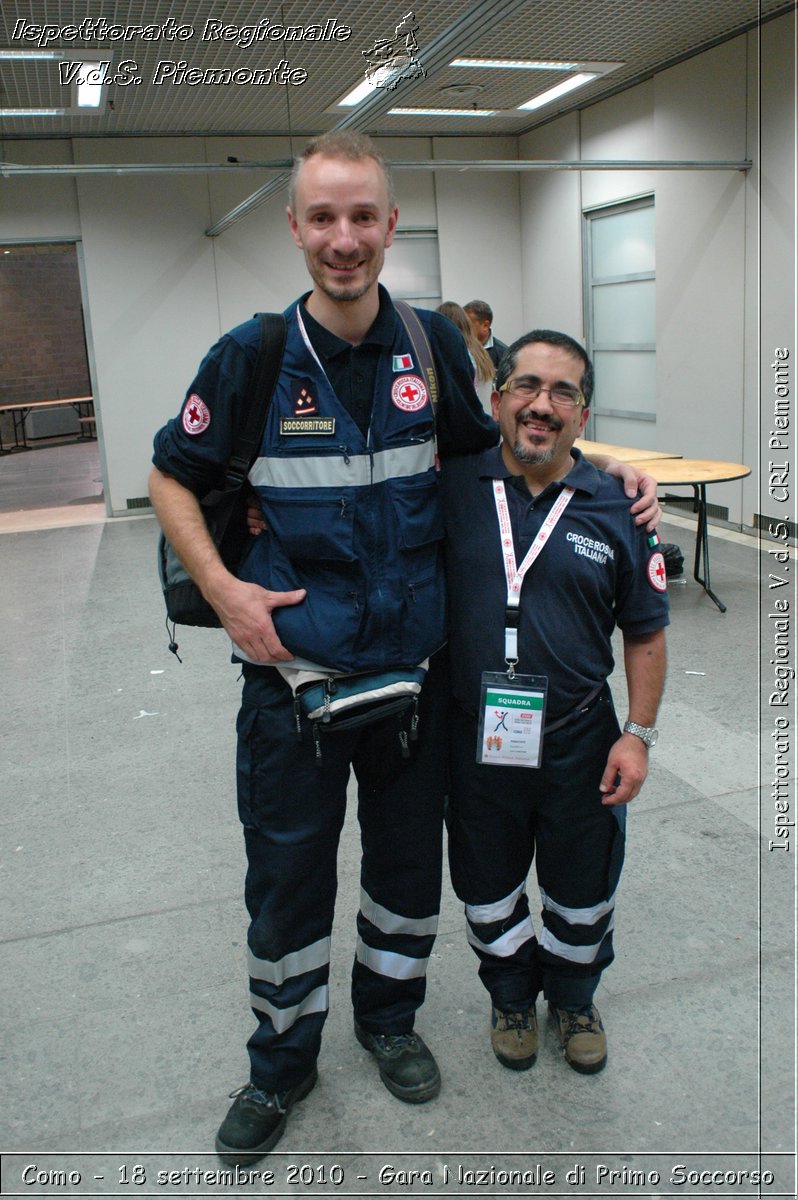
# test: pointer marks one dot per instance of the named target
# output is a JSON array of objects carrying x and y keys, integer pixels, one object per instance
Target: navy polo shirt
[
  {"x": 591, "y": 575},
  {"x": 198, "y": 460}
]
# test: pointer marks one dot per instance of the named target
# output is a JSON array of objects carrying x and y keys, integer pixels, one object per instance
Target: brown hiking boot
[
  {"x": 582, "y": 1038},
  {"x": 514, "y": 1037}
]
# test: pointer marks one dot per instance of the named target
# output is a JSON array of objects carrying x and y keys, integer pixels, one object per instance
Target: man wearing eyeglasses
[{"x": 543, "y": 561}]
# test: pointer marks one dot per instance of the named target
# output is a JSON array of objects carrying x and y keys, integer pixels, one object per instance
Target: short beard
[
  {"x": 345, "y": 293},
  {"x": 533, "y": 458}
]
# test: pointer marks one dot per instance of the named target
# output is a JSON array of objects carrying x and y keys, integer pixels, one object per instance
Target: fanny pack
[{"x": 334, "y": 703}]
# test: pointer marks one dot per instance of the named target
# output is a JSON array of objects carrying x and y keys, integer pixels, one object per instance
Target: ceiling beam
[{"x": 9, "y": 170}]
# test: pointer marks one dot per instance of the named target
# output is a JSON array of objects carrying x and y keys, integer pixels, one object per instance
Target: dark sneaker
[
  {"x": 256, "y": 1121},
  {"x": 514, "y": 1037},
  {"x": 407, "y": 1067},
  {"x": 582, "y": 1038}
]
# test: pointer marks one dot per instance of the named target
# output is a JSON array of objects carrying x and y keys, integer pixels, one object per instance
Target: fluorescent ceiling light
[
  {"x": 89, "y": 85},
  {"x": 380, "y": 78},
  {"x": 442, "y": 112},
  {"x": 32, "y": 112},
  {"x": 560, "y": 89},
  {"x": 21, "y": 55},
  {"x": 514, "y": 64},
  {"x": 356, "y": 95}
]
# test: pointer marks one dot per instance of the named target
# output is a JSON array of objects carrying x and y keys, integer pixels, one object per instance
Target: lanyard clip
[{"x": 512, "y": 619}]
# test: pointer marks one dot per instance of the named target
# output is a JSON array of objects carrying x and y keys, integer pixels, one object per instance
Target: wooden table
[
  {"x": 83, "y": 406},
  {"x": 623, "y": 453},
  {"x": 696, "y": 473}
]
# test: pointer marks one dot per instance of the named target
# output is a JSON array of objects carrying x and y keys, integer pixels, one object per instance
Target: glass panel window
[
  {"x": 620, "y": 319},
  {"x": 623, "y": 313},
  {"x": 624, "y": 247},
  {"x": 412, "y": 268},
  {"x": 625, "y": 382},
  {"x": 625, "y": 432}
]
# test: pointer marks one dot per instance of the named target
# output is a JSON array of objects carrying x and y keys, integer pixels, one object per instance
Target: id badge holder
[{"x": 512, "y": 712}]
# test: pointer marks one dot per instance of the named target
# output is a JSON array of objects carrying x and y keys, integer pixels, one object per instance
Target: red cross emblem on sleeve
[
  {"x": 196, "y": 415},
  {"x": 656, "y": 572},
  {"x": 409, "y": 393}
]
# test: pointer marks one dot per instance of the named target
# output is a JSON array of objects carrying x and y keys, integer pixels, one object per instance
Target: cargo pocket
[
  {"x": 320, "y": 529},
  {"x": 245, "y": 778},
  {"x": 420, "y": 535}
]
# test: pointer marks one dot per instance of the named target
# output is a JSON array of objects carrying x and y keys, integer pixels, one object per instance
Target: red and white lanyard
[{"x": 514, "y": 574}]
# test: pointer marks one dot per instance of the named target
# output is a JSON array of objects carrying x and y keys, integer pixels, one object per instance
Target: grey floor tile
[{"x": 122, "y": 978}]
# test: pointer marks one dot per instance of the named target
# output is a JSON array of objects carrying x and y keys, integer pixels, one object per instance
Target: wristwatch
[{"x": 646, "y": 733}]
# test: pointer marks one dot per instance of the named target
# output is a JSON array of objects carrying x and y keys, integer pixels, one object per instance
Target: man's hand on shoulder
[{"x": 646, "y": 507}]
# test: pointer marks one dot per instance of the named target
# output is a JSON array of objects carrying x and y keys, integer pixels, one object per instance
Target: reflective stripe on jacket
[{"x": 355, "y": 521}]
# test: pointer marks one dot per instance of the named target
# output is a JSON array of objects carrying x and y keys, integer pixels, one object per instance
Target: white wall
[
  {"x": 706, "y": 235},
  {"x": 551, "y": 234},
  {"x": 479, "y": 231},
  {"x": 32, "y": 207}
]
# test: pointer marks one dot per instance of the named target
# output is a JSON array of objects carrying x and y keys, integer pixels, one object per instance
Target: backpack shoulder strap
[
  {"x": 264, "y": 377},
  {"x": 420, "y": 343}
]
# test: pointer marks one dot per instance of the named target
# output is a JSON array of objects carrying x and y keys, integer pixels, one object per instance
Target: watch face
[{"x": 652, "y": 737}]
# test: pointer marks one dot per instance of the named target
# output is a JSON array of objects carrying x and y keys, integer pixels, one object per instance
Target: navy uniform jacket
[
  {"x": 352, "y": 508},
  {"x": 596, "y": 571}
]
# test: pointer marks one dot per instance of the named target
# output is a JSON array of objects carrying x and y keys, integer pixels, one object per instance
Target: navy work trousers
[
  {"x": 500, "y": 819},
  {"x": 292, "y": 805}
]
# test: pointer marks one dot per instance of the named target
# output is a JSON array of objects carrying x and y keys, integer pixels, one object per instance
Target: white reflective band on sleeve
[
  {"x": 296, "y": 963},
  {"x": 508, "y": 943},
  {"x": 390, "y": 922},
  {"x": 579, "y": 916},
  {"x": 394, "y": 966},
  {"x": 577, "y": 954},
  {"x": 335, "y": 470},
  {"x": 284, "y": 1018},
  {"x": 500, "y": 910}
]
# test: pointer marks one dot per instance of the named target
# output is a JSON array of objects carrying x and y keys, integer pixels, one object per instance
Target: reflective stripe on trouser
[
  {"x": 292, "y": 806},
  {"x": 501, "y": 819}
]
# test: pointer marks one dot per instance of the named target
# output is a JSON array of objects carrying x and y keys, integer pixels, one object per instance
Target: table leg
[
  {"x": 702, "y": 544},
  {"x": 18, "y": 417}
]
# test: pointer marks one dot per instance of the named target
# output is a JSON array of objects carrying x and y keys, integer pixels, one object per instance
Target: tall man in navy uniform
[
  {"x": 543, "y": 561},
  {"x": 348, "y": 577}
]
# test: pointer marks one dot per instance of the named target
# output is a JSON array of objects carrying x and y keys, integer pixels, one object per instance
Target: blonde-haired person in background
[{"x": 484, "y": 369}]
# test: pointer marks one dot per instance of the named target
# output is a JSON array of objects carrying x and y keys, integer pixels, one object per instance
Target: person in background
[
  {"x": 484, "y": 369},
  {"x": 480, "y": 314}
]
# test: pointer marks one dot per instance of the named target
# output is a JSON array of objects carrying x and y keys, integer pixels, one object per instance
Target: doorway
[{"x": 50, "y": 455}]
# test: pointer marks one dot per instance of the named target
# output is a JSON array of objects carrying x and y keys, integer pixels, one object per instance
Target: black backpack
[{"x": 224, "y": 509}]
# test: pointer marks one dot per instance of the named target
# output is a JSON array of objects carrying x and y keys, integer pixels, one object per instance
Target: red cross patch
[
  {"x": 656, "y": 572},
  {"x": 409, "y": 393},
  {"x": 196, "y": 415}
]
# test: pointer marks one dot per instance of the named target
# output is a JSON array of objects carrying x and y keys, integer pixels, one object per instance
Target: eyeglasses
[{"x": 562, "y": 394}]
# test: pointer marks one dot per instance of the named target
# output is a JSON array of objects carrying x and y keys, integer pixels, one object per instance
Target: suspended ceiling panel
[{"x": 331, "y": 45}]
